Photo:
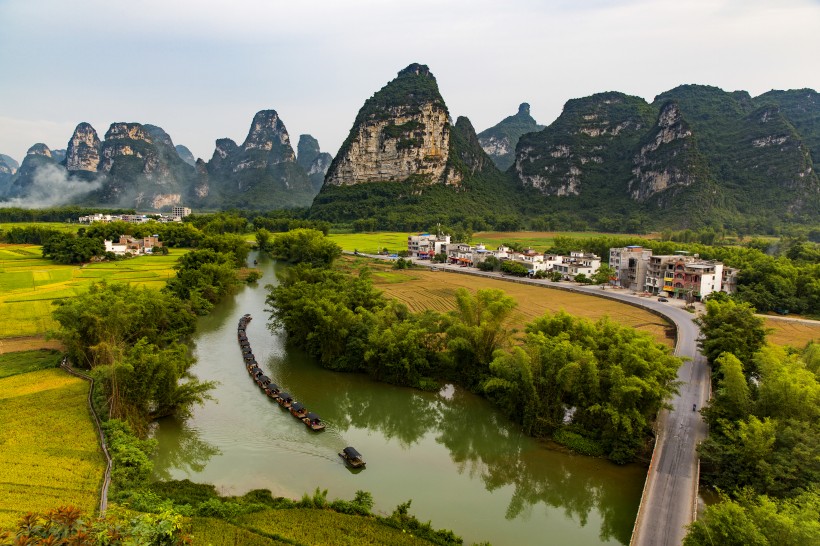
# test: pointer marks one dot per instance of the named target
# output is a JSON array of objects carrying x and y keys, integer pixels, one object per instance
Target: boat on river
[
  {"x": 285, "y": 399},
  {"x": 262, "y": 380},
  {"x": 313, "y": 421},
  {"x": 273, "y": 390},
  {"x": 352, "y": 458},
  {"x": 298, "y": 410}
]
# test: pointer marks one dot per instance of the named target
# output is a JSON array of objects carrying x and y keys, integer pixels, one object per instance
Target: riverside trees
[
  {"x": 763, "y": 449},
  {"x": 600, "y": 383}
]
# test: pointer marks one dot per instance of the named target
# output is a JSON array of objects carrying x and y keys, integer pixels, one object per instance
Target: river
[{"x": 464, "y": 465}]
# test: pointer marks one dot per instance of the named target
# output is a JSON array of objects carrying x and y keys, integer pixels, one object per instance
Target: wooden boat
[
  {"x": 262, "y": 380},
  {"x": 272, "y": 390},
  {"x": 352, "y": 458},
  {"x": 298, "y": 410},
  {"x": 285, "y": 399},
  {"x": 313, "y": 421}
]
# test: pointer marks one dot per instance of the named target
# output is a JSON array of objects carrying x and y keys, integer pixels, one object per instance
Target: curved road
[{"x": 670, "y": 496}]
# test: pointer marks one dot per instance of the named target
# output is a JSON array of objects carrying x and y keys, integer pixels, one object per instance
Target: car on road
[{"x": 662, "y": 299}]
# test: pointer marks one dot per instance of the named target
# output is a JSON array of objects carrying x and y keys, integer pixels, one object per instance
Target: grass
[
  {"x": 29, "y": 284},
  {"x": 27, "y": 361},
  {"x": 313, "y": 526},
  {"x": 217, "y": 531},
  {"x": 59, "y": 226},
  {"x": 49, "y": 456},
  {"x": 394, "y": 241},
  {"x": 421, "y": 289}
]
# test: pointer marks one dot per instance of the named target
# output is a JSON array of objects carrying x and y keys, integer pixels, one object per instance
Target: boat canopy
[
  {"x": 273, "y": 387},
  {"x": 296, "y": 406},
  {"x": 285, "y": 396},
  {"x": 264, "y": 378},
  {"x": 313, "y": 417},
  {"x": 352, "y": 453}
]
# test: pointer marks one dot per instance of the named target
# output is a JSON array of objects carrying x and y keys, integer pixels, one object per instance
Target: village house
[
  {"x": 424, "y": 246},
  {"x": 133, "y": 245},
  {"x": 577, "y": 263}
]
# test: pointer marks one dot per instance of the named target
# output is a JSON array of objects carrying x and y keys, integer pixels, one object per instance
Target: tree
[
  {"x": 603, "y": 274},
  {"x": 305, "y": 246},
  {"x": 729, "y": 327},
  {"x": 478, "y": 327},
  {"x": 759, "y": 520},
  {"x": 263, "y": 239}
]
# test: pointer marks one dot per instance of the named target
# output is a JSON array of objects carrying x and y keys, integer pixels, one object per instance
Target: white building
[
  {"x": 630, "y": 264},
  {"x": 178, "y": 212},
  {"x": 425, "y": 246}
]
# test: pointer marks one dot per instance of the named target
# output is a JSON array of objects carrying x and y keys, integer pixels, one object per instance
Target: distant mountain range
[
  {"x": 695, "y": 156},
  {"x": 138, "y": 166}
]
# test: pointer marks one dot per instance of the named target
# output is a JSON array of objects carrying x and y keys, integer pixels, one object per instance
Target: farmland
[
  {"x": 314, "y": 526},
  {"x": 29, "y": 284},
  {"x": 50, "y": 455},
  {"x": 421, "y": 289}
]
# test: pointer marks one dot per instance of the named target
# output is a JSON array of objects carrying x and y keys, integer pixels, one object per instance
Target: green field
[
  {"x": 59, "y": 226},
  {"x": 313, "y": 526},
  {"x": 49, "y": 456},
  {"x": 29, "y": 284},
  {"x": 394, "y": 241},
  {"x": 27, "y": 361}
]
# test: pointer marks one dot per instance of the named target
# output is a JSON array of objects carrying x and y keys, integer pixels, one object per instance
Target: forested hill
[
  {"x": 404, "y": 162},
  {"x": 695, "y": 156}
]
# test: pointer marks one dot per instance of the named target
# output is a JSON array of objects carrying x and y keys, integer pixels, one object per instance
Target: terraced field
[
  {"x": 29, "y": 284},
  {"x": 49, "y": 454}
]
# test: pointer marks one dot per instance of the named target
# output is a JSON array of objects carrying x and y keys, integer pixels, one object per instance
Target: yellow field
[
  {"x": 29, "y": 283},
  {"x": 49, "y": 455},
  {"x": 796, "y": 334},
  {"x": 371, "y": 243},
  {"x": 421, "y": 289}
]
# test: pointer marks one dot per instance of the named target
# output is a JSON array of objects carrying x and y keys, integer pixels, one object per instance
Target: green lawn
[{"x": 27, "y": 361}]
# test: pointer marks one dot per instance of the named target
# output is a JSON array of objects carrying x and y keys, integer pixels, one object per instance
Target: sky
[{"x": 201, "y": 69}]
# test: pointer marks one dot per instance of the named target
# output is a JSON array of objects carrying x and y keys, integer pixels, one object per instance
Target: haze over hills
[
  {"x": 695, "y": 156},
  {"x": 138, "y": 166}
]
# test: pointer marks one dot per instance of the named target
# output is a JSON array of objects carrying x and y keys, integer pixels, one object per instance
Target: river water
[{"x": 464, "y": 465}]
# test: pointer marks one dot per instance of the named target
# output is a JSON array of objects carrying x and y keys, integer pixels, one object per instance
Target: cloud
[{"x": 52, "y": 186}]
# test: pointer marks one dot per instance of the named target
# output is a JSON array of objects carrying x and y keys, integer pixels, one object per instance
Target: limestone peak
[
  {"x": 39, "y": 149},
  {"x": 524, "y": 109},
  {"x": 83, "y": 150},
  {"x": 416, "y": 69}
]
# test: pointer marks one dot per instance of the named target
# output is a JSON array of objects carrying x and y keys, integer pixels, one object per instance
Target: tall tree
[{"x": 729, "y": 327}]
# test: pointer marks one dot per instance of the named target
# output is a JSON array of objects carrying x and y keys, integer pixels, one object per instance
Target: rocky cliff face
[
  {"x": 401, "y": 131},
  {"x": 667, "y": 158},
  {"x": 39, "y": 149},
  {"x": 8, "y": 166},
  {"x": 584, "y": 143},
  {"x": 143, "y": 168},
  {"x": 262, "y": 173},
  {"x": 500, "y": 140},
  {"x": 403, "y": 158},
  {"x": 311, "y": 158},
  {"x": 83, "y": 151},
  {"x": 697, "y": 154}
]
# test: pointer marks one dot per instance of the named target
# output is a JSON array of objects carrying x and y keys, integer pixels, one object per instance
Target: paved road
[{"x": 669, "y": 501}]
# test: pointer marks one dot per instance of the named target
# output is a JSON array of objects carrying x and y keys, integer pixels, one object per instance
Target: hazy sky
[{"x": 201, "y": 68}]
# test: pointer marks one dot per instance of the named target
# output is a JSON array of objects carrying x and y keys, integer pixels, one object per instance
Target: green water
[{"x": 464, "y": 465}]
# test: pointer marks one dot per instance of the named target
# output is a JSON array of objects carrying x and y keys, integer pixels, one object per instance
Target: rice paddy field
[
  {"x": 792, "y": 332},
  {"x": 29, "y": 284},
  {"x": 422, "y": 289},
  {"x": 50, "y": 455},
  {"x": 64, "y": 227}
]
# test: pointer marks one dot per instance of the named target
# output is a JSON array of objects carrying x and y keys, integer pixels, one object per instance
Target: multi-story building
[
  {"x": 178, "y": 212},
  {"x": 729, "y": 281},
  {"x": 660, "y": 271},
  {"x": 630, "y": 264},
  {"x": 426, "y": 246},
  {"x": 577, "y": 263},
  {"x": 693, "y": 279}
]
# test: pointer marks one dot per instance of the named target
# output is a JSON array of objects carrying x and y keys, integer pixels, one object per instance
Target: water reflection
[
  {"x": 465, "y": 466},
  {"x": 181, "y": 448}
]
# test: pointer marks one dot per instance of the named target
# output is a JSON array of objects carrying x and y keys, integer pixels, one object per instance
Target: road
[{"x": 670, "y": 496}]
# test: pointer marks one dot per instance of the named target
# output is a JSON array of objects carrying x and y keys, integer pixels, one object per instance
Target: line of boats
[
  {"x": 349, "y": 454},
  {"x": 284, "y": 399}
]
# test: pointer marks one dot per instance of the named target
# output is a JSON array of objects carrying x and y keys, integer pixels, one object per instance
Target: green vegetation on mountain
[{"x": 500, "y": 140}]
